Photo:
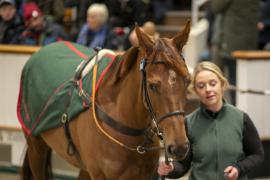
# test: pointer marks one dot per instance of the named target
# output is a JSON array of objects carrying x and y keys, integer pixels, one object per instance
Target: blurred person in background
[
  {"x": 264, "y": 25},
  {"x": 160, "y": 8},
  {"x": 238, "y": 31},
  {"x": 39, "y": 30},
  {"x": 125, "y": 13},
  {"x": 11, "y": 23},
  {"x": 122, "y": 16},
  {"x": 53, "y": 9},
  {"x": 82, "y": 7},
  {"x": 149, "y": 28},
  {"x": 96, "y": 31}
]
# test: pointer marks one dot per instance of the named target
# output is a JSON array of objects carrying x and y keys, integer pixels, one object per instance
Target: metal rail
[{"x": 251, "y": 91}]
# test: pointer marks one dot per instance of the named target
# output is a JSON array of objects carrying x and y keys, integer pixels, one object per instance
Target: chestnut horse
[{"x": 142, "y": 95}]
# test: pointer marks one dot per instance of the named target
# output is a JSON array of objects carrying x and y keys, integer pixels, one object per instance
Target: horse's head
[{"x": 165, "y": 82}]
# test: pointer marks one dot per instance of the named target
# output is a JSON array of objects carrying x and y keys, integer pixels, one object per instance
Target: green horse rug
[{"x": 48, "y": 89}]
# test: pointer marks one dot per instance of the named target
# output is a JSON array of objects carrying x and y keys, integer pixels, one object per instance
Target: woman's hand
[
  {"x": 164, "y": 169},
  {"x": 231, "y": 173}
]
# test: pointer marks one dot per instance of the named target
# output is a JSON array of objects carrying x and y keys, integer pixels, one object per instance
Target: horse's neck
[
  {"x": 130, "y": 100},
  {"x": 122, "y": 98}
]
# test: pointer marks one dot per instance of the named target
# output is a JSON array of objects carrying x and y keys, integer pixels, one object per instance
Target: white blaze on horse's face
[{"x": 172, "y": 78}]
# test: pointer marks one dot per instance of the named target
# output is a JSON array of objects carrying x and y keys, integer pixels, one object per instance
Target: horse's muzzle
[{"x": 179, "y": 152}]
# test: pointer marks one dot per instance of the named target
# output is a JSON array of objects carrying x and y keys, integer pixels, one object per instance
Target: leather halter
[
  {"x": 148, "y": 101},
  {"x": 149, "y": 131},
  {"x": 116, "y": 125},
  {"x": 155, "y": 120}
]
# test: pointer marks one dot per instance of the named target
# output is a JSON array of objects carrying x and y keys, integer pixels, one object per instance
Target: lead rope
[
  {"x": 165, "y": 156},
  {"x": 139, "y": 148},
  {"x": 94, "y": 112}
]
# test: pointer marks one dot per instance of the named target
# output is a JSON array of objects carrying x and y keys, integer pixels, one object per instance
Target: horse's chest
[{"x": 128, "y": 168}]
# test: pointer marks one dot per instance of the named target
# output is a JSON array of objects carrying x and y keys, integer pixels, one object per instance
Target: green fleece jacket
[{"x": 216, "y": 143}]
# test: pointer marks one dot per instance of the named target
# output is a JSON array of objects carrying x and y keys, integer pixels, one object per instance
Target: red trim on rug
[
  {"x": 74, "y": 49},
  {"x": 79, "y": 53},
  {"x": 37, "y": 120},
  {"x": 27, "y": 117},
  {"x": 111, "y": 56},
  {"x": 25, "y": 129},
  {"x": 82, "y": 55}
]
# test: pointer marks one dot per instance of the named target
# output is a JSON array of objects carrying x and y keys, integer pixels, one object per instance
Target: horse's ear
[
  {"x": 181, "y": 38},
  {"x": 145, "y": 42}
]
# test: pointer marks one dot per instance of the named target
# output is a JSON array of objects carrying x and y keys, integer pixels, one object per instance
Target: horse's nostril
[
  {"x": 187, "y": 145},
  {"x": 174, "y": 150},
  {"x": 171, "y": 149},
  {"x": 178, "y": 150}
]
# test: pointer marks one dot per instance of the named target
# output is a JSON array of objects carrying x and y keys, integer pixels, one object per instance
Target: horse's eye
[{"x": 153, "y": 87}]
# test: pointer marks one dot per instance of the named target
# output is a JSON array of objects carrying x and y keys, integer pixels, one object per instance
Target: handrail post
[{"x": 196, "y": 4}]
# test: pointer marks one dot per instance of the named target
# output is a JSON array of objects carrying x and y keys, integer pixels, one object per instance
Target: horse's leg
[
  {"x": 37, "y": 160},
  {"x": 83, "y": 175},
  {"x": 26, "y": 170}
]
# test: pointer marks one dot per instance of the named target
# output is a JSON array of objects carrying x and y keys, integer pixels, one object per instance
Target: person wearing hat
[
  {"x": 11, "y": 23},
  {"x": 51, "y": 8},
  {"x": 39, "y": 29}
]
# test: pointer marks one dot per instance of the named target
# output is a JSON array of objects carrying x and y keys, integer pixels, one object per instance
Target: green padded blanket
[{"x": 47, "y": 90}]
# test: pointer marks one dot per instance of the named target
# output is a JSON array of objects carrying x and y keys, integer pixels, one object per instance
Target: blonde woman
[
  {"x": 224, "y": 142},
  {"x": 96, "y": 32}
]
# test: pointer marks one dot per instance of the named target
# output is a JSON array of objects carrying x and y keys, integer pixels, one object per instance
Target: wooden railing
[
  {"x": 251, "y": 55},
  {"x": 10, "y": 128},
  {"x": 18, "y": 49}
]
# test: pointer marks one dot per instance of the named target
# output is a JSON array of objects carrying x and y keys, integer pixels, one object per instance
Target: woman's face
[
  {"x": 94, "y": 21},
  {"x": 209, "y": 89}
]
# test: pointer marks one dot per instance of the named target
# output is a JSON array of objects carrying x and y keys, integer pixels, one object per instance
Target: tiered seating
[{"x": 174, "y": 21}]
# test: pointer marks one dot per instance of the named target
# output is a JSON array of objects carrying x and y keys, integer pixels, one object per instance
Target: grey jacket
[{"x": 238, "y": 25}]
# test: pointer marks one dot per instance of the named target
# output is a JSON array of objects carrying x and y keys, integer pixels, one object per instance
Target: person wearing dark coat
[
  {"x": 51, "y": 8},
  {"x": 128, "y": 12},
  {"x": 238, "y": 28},
  {"x": 39, "y": 30},
  {"x": 11, "y": 23},
  {"x": 264, "y": 25}
]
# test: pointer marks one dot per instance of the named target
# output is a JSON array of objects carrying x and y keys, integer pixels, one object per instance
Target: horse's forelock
[{"x": 164, "y": 46}]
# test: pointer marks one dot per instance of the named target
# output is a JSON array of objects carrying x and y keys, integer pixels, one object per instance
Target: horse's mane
[{"x": 123, "y": 63}]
